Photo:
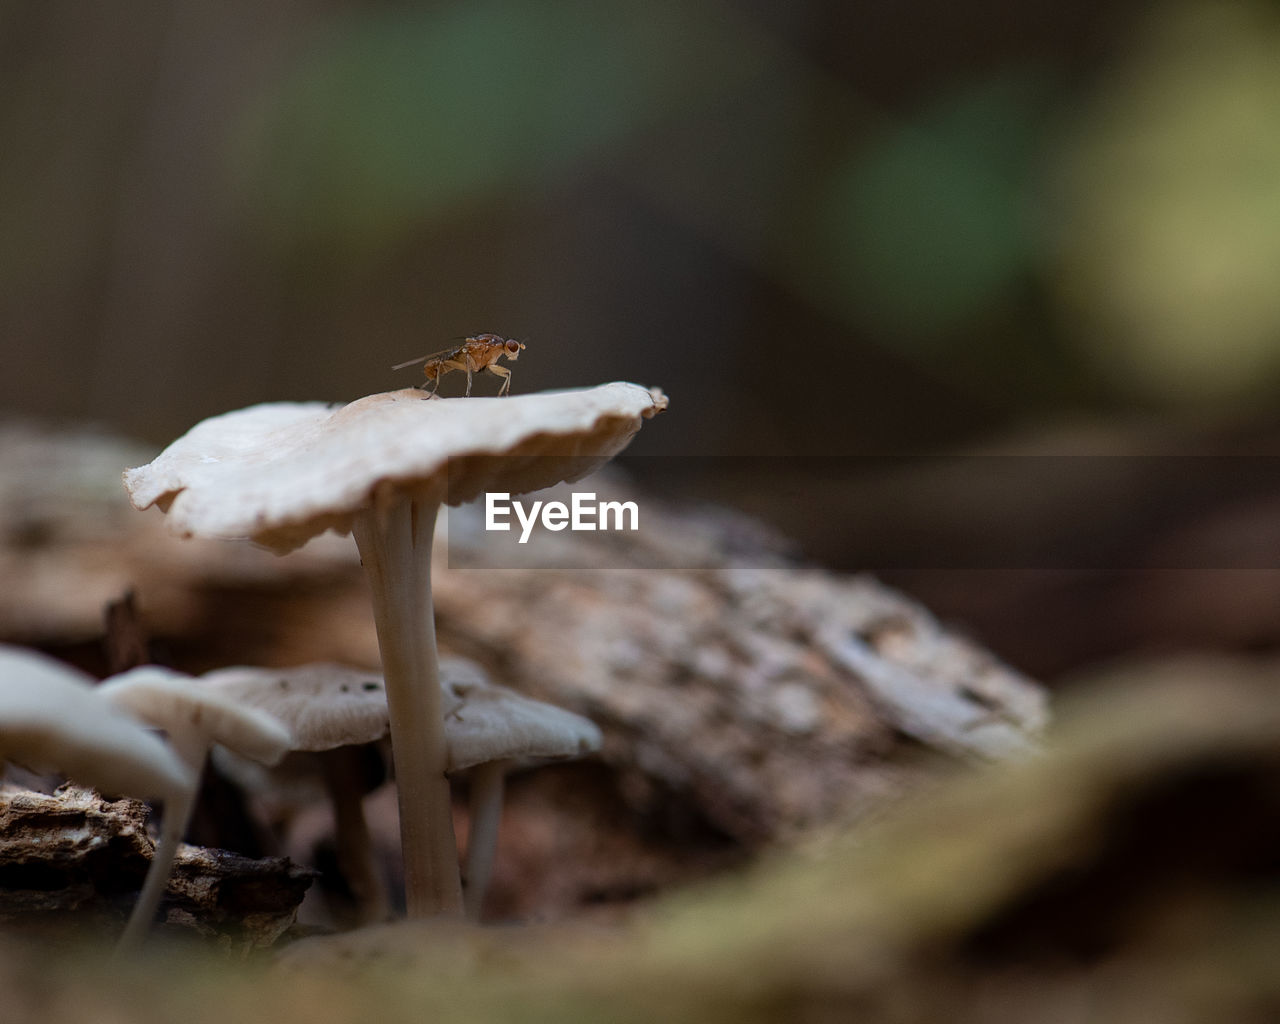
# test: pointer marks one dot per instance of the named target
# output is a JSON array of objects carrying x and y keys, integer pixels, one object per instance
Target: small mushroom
[
  {"x": 381, "y": 467},
  {"x": 493, "y": 731},
  {"x": 329, "y": 709},
  {"x": 489, "y": 730},
  {"x": 194, "y": 718},
  {"x": 52, "y": 717}
]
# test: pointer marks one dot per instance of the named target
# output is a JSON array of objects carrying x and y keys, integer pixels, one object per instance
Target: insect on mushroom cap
[
  {"x": 282, "y": 473},
  {"x": 380, "y": 467}
]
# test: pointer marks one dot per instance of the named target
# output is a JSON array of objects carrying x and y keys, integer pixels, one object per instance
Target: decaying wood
[
  {"x": 741, "y": 704},
  {"x": 73, "y": 860},
  {"x": 771, "y": 696},
  {"x": 1129, "y": 873}
]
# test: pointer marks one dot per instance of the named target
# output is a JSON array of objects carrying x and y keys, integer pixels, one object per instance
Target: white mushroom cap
[
  {"x": 282, "y": 473},
  {"x": 327, "y": 706},
  {"x": 324, "y": 706},
  {"x": 196, "y": 717},
  {"x": 494, "y": 723},
  {"x": 51, "y": 716}
]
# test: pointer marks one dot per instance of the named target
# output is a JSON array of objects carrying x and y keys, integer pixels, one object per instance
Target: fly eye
[{"x": 513, "y": 347}]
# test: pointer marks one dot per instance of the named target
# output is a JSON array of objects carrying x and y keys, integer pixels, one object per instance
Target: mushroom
[
  {"x": 194, "y": 718},
  {"x": 493, "y": 731},
  {"x": 489, "y": 729},
  {"x": 51, "y": 716},
  {"x": 280, "y": 474},
  {"x": 329, "y": 709}
]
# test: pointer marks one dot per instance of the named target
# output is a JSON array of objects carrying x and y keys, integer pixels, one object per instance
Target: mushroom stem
[
  {"x": 488, "y": 781},
  {"x": 177, "y": 816},
  {"x": 395, "y": 547},
  {"x": 351, "y": 834}
]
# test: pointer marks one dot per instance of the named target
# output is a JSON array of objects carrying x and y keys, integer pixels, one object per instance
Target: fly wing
[{"x": 425, "y": 359}]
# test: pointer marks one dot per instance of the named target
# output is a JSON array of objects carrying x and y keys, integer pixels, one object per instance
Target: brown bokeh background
[{"x": 824, "y": 228}]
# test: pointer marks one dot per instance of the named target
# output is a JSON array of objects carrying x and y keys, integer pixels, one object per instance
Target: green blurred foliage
[
  {"x": 966, "y": 231},
  {"x": 1168, "y": 265},
  {"x": 934, "y": 220},
  {"x": 416, "y": 114}
]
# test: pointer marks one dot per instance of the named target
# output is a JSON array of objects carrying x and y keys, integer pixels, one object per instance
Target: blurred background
[
  {"x": 823, "y": 228},
  {"x": 846, "y": 239}
]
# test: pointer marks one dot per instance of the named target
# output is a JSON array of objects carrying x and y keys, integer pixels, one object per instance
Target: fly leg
[
  {"x": 471, "y": 361},
  {"x": 505, "y": 374}
]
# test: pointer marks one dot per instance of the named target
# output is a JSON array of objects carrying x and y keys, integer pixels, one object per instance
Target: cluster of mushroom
[
  {"x": 278, "y": 475},
  {"x": 52, "y": 716},
  {"x": 490, "y": 730},
  {"x": 281, "y": 473}
]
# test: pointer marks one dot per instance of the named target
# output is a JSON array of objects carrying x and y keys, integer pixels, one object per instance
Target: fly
[{"x": 477, "y": 353}]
